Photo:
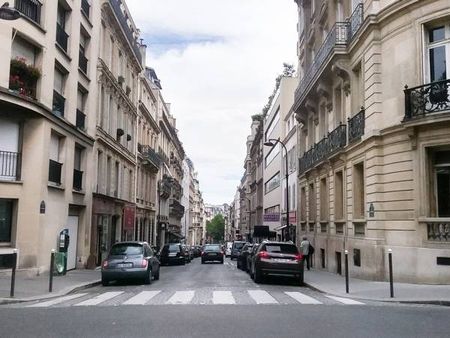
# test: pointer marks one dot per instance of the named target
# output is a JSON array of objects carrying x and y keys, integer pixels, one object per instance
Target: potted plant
[{"x": 23, "y": 77}]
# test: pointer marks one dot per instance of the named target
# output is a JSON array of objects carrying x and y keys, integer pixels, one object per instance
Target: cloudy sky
[{"x": 217, "y": 61}]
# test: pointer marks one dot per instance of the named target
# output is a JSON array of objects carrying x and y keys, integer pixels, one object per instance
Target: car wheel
[
  {"x": 203, "y": 262},
  {"x": 148, "y": 278},
  {"x": 257, "y": 276},
  {"x": 105, "y": 282},
  {"x": 156, "y": 276}
]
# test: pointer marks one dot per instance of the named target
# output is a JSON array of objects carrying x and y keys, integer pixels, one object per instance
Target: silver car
[{"x": 130, "y": 260}]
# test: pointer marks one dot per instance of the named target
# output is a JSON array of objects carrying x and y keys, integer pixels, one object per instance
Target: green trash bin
[{"x": 59, "y": 267}]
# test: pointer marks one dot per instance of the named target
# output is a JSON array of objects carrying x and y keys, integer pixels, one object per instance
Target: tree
[{"x": 216, "y": 228}]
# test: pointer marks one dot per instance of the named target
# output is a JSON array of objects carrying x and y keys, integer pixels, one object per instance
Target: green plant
[{"x": 23, "y": 76}]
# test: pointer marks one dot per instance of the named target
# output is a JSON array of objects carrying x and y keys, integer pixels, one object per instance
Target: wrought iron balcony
[
  {"x": 340, "y": 35},
  {"x": 356, "y": 126},
  {"x": 81, "y": 118},
  {"x": 77, "y": 180},
  {"x": 85, "y": 7},
  {"x": 29, "y": 8},
  {"x": 427, "y": 99},
  {"x": 54, "y": 172},
  {"x": 61, "y": 37},
  {"x": 438, "y": 231},
  {"x": 165, "y": 187},
  {"x": 83, "y": 62},
  {"x": 176, "y": 209},
  {"x": 329, "y": 145},
  {"x": 151, "y": 157},
  {"x": 59, "y": 103},
  {"x": 10, "y": 163}
]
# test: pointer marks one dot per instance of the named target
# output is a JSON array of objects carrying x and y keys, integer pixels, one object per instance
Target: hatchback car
[
  {"x": 236, "y": 248},
  {"x": 211, "y": 253},
  {"x": 130, "y": 260},
  {"x": 172, "y": 253},
  {"x": 277, "y": 258}
]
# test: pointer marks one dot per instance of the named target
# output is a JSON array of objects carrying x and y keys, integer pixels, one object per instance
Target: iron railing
[
  {"x": 330, "y": 144},
  {"x": 176, "y": 209},
  {"x": 438, "y": 231},
  {"x": 81, "y": 120},
  {"x": 151, "y": 156},
  {"x": 30, "y": 8},
  {"x": 61, "y": 37},
  {"x": 10, "y": 163},
  {"x": 77, "y": 180},
  {"x": 165, "y": 188},
  {"x": 85, "y": 7},
  {"x": 59, "y": 103},
  {"x": 427, "y": 99},
  {"x": 54, "y": 172},
  {"x": 355, "y": 21},
  {"x": 356, "y": 126},
  {"x": 83, "y": 62}
]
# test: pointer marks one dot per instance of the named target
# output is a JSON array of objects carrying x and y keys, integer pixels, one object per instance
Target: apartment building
[
  {"x": 373, "y": 110},
  {"x": 196, "y": 232},
  {"x": 187, "y": 198},
  {"x": 47, "y": 127}
]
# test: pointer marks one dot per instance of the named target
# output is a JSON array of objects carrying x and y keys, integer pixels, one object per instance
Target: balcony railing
[
  {"x": 83, "y": 62},
  {"x": 335, "y": 141},
  {"x": 77, "y": 180},
  {"x": 29, "y": 8},
  {"x": 59, "y": 103},
  {"x": 85, "y": 7},
  {"x": 427, "y": 99},
  {"x": 340, "y": 35},
  {"x": 438, "y": 231},
  {"x": 10, "y": 163},
  {"x": 61, "y": 37},
  {"x": 81, "y": 120},
  {"x": 151, "y": 156},
  {"x": 356, "y": 126},
  {"x": 54, "y": 172},
  {"x": 165, "y": 188}
]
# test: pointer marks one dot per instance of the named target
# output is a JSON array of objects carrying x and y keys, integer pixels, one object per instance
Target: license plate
[
  {"x": 172, "y": 254},
  {"x": 281, "y": 260},
  {"x": 212, "y": 254},
  {"x": 124, "y": 265}
]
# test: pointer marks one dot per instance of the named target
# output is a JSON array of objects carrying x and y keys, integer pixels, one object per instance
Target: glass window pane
[
  {"x": 5, "y": 220},
  {"x": 443, "y": 191},
  {"x": 437, "y": 34},
  {"x": 437, "y": 64}
]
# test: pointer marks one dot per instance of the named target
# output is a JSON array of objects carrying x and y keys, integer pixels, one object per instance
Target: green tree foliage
[{"x": 216, "y": 228}]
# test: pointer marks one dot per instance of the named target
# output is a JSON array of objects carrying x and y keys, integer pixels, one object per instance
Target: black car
[
  {"x": 172, "y": 253},
  {"x": 211, "y": 253},
  {"x": 236, "y": 248},
  {"x": 242, "y": 258},
  {"x": 250, "y": 257},
  {"x": 130, "y": 260}
]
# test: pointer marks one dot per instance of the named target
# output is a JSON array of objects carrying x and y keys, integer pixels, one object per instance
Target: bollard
[
  {"x": 52, "y": 264},
  {"x": 391, "y": 279},
  {"x": 346, "y": 271},
  {"x": 13, "y": 273}
]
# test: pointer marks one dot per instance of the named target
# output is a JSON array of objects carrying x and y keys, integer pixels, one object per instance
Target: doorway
[
  {"x": 338, "y": 263},
  {"x": 72, "y": 226}
]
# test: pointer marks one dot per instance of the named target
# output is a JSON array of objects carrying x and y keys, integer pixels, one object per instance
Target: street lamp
[
  {"x": 272, "y": 143},
  {"x": 8, "y": 13}
]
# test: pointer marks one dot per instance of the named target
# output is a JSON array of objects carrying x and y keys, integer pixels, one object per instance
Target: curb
[
  {"x": 421, "y": 302},
  {"x": 66, "y": 291}
]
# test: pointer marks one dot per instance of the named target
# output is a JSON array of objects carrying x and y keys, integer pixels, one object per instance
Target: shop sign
[{"x": 272, "y": 217}]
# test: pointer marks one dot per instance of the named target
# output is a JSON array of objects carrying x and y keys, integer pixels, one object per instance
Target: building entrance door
[
  {"x": 72, "y": 226},
  {"x": 338, "y": 263}
]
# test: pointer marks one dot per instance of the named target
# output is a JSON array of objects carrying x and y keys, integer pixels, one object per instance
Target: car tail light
[
  {"x": 298, "y": 257},
  {"x": 144, "y": 263},
  {"x": 263, "y": 254},
  {"x": 105, "y": 264},
  {"x": 203, "y": 253}
]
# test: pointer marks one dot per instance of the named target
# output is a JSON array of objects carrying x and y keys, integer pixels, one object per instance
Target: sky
[{"x": 217, "y": 61}]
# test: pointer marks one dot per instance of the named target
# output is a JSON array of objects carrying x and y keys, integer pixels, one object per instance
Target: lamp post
[
  {"x": 8, "y": 13},
  {"x": 272, "y": 143}
]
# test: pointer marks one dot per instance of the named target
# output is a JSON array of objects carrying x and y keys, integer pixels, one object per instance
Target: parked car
[
  {"x": 211, "y": 253},
  {"x": 228, "y": 247},
  {"x": 236, "y": 248},
  {"x": 250, "y": 257},
  {"x": 242, "y": 258},
  {"x": 172, "y": 253},
  {"x": 130, "y": 260},
  {"x": 277, "y": 258}
]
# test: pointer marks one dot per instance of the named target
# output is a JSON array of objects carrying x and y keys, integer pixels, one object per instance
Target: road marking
[
  {"x": 345, "y": 301},
  {"x": 141, "y": 298},
  {"x": 58, "y": 300},
  {"x": 262, "y": 297},
  {"x": 223, "y": 297},
  {"x": 181, "y": 297},
  {"x": 303, "y": 299},
  {"x": 100, "y": 298}
]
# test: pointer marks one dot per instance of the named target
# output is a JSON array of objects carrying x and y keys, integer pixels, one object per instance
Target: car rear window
[
  {"x": 212, "y": 248},
  {"x": 126, "y": 249},
  {"x": 171, "y": 248},
  {"x": 281, "y": 248},
  {"x": 238, "y": 245}
]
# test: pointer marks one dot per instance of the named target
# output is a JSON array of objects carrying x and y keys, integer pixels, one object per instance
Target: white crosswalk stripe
[
  {"x": 181, "y": 297},
  {"x": 346, "y": 301},
  {"x": 100, "y": 298},
  {"x": 141, "y": 298},
  {"x": 302, "y": 298},
  {"x": 262, "y": 297},
  {"x": 223, "y": 297},
  {"x": 58, "y": 300}
]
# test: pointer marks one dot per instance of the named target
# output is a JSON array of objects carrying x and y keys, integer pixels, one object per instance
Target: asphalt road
[{"x": 215, "y": 300}]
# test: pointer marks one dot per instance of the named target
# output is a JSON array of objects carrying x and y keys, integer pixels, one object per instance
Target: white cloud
[{"x": 217, "y": 61}]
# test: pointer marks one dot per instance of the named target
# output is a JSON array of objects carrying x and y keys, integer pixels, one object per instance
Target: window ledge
[
  {"x": 34, "y": 23},
  {"x": 11, "y": 182},
  {"x": 79, "y": 192},
  {"x": 56, "y": 186},
  {"x": 87, "y": 18},
  {"x": 84, "y": 74},
  {"x": 63, "y": 52},
  {"x": 359, "y": 220}
]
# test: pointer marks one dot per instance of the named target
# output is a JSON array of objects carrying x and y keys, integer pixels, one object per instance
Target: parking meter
[{"x": 63, "y": 246}]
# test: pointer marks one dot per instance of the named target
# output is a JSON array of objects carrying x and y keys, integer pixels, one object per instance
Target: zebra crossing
[{"x": 197, "y": 297}]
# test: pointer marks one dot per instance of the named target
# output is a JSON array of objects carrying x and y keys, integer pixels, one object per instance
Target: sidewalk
[
  {"x": 34, "y": 288},
  {"x": 334, "y": 284}
]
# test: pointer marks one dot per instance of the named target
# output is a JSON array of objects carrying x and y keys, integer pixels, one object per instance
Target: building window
[
  {"x": 6, "y": 219},
  {"x": 77, "y": 172},
  {"x": 312, "y": 203},
  {"x": 10, "y": 156},
  {"x": 59, "y": 100},
  {"x": 100, "y": 174},
  {"x": 358, "y": 191},
  {"x": 108, "y": 175},
  {"x": 55, "y": 161},
  {"x": 84, "y": 44},
  {"x": 273, "y": 123},
  {"x": 324, "y": 199},
  {"x": 272, "y": 154},
  {"x": 440, "y": 177},
  {"x": 356, "y": 257},
  {"x": 61, "y": 34},
  {"x": 439, "y": 52},
  {"x": 303, "y": 204},
  {"x": 272, "y": 183},
  {"x": 338, "y": 196}
]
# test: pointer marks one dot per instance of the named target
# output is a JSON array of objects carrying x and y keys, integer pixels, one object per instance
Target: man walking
[{"x": 305, "y": 249}]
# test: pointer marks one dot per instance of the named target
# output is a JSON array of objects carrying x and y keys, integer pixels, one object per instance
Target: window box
[{"x": 23, "y": 77}]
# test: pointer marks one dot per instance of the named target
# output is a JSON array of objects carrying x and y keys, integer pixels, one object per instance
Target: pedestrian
[{"x": 305, "y": 247}]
